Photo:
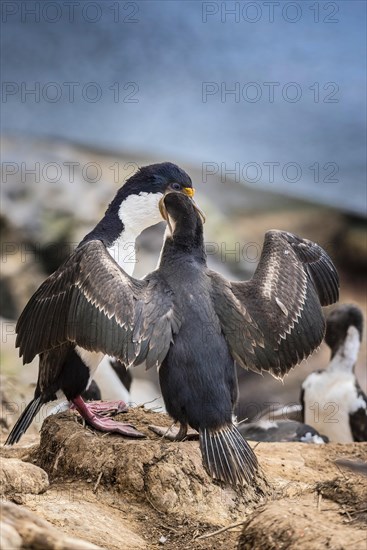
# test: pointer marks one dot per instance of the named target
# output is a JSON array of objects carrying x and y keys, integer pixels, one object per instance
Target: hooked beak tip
[{"x": 190, "y": 191}]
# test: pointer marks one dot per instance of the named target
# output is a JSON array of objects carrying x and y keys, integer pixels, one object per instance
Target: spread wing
[
  {"x": 275, "y": 320},
  {"x": 92, "y": 302}
]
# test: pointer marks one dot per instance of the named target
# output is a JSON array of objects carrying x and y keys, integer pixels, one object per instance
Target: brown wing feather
[
  {"x": 275, "y": 320},
  {"x": 49, "y": 370},
  {"x": 90, "y": 301}
]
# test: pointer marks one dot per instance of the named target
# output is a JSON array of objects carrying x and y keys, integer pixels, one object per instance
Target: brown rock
[
  {"x": 17, "y": 476},
  {"x": 302, "y": 524},
  {"x": 170, "y": 476},
  {"x": 9, "y": 538},
  {"x": 120, "y": 493},
  {"x": 78, "y": 512},
  {"x": 38, "y": 533}
]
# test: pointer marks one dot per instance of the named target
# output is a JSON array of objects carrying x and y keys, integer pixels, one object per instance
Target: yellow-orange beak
[{"x": 190, "y": 191}]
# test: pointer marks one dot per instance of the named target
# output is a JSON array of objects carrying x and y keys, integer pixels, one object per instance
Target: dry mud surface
[{"x": 109, "y": 492}]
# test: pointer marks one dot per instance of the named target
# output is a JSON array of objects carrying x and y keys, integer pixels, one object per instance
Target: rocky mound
[
  {"x": 167, "y": 475},
  {"x": 115, "y": 493}
]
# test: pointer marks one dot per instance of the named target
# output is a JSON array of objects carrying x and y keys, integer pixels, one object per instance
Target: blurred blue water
[{"x": 166, "y": 55}]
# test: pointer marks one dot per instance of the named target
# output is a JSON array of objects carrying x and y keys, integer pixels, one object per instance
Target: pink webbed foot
[
  {"x": 107, "y": 408},
  {"x": 102, "y": 423}
]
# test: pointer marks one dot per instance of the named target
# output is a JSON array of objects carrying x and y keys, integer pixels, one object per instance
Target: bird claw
[{"x": 173, "y": 433}]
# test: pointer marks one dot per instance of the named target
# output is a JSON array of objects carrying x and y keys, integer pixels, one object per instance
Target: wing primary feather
[{"x": 284, "y": 321}]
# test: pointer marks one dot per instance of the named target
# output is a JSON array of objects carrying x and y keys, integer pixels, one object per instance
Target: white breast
[
  {"x": 109, "y": 383},
  {"x": 123, "y": 253},
  {"x": 330, "y": 397},
  {"x": 137, "y": 212},
  {"x": 90, "y": 358}
]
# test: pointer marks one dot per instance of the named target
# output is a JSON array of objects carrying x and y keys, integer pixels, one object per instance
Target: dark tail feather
[
  {"x": 227, "y": 455},
  {"x": 24, "y": 421}
]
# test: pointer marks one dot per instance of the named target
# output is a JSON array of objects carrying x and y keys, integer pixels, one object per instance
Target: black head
[
  {"x": 158, "y": 178},
  {"x": 338, "y": 322},
  {"x": 136, "y": 203}
]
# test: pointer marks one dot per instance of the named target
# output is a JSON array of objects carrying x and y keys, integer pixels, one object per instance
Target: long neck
[
  {"x": 183, "y": 244},
  {"x": 345, "y": 357}
]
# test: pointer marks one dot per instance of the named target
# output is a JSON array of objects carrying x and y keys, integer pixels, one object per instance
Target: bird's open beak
[
  {"x": 163, "y": 209},
  {"x": 164, "y": 214},
  {"x": 199, "y": 211},
  {"x": 190, "y": 191}
]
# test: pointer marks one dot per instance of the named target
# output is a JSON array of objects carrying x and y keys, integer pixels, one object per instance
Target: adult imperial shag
[
  {"x": 332, "y": 400},
  {"x": 192, "y": 324},
  {"x": 65, "y": 365}
]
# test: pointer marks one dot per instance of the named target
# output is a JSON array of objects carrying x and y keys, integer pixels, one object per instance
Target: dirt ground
[{"x": 145, "y": 494}]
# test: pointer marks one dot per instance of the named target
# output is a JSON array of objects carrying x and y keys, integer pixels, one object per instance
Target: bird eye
[{"x": 176, "y": 186}]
